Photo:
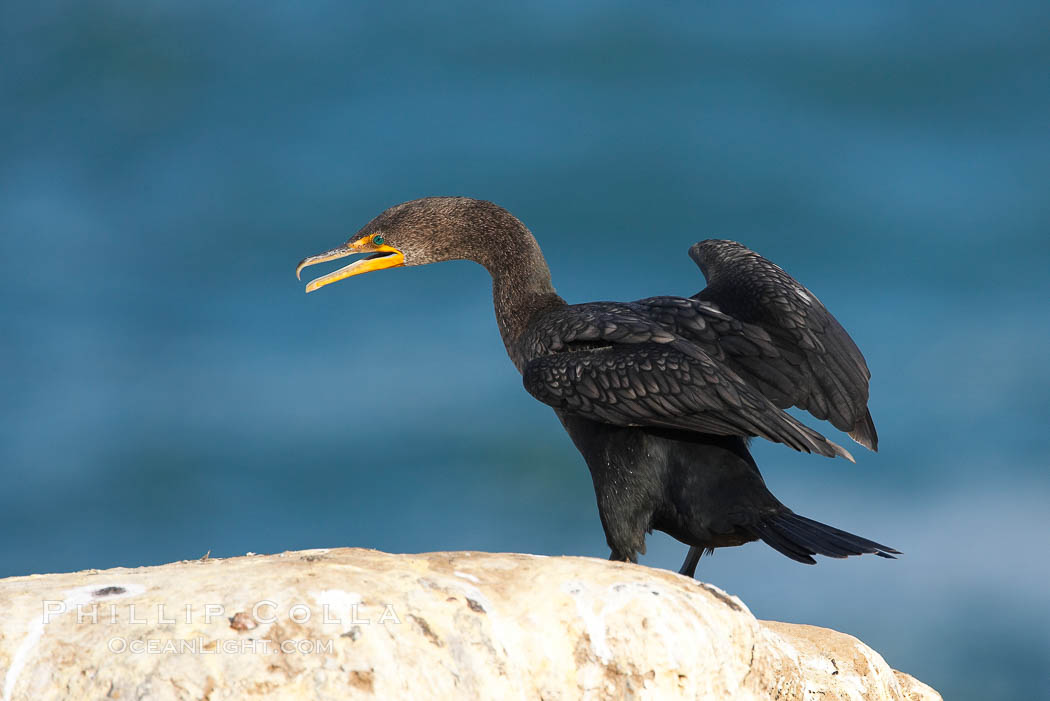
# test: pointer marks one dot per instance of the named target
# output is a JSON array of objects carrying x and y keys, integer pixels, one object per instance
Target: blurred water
[{"x": 168, "y": 389}]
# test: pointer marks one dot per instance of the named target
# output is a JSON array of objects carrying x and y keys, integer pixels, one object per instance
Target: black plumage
[{"x": 659, "y": 395}]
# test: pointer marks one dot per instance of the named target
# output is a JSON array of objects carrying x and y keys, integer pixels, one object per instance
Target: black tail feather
[
  {"x": 799, "y": 538},
  {"x": 832, "y": 547},
  {"x": 784, "y": 544}
]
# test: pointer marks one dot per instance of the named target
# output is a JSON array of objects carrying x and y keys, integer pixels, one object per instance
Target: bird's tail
[{"x": 801, "y": 538}]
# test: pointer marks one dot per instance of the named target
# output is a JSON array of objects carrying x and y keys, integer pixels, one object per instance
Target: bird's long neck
[{"x": 521, "y": 287}]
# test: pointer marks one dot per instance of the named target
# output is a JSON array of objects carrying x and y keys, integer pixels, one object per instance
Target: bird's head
[{"x": 429, "y": 230}]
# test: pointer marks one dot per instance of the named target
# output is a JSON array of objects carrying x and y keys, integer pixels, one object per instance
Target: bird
[{"x": 662, "y": 395}]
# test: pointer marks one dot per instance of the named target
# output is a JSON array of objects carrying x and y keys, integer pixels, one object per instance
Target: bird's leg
[{"x": 691, "y": 561}]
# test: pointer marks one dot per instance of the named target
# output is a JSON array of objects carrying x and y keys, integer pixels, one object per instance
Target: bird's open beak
[{"x": 383, "y": 257}]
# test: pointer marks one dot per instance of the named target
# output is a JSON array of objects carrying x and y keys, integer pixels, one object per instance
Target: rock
[{"x": 351, "y": 623}]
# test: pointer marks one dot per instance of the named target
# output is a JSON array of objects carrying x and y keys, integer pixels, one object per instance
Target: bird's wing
[
  {"x": 787, "y": 345},
  {"x": 670, "y": 384}
]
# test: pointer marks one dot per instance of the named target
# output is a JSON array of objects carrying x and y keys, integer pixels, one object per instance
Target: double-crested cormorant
[{"x": 660, "y": 395}]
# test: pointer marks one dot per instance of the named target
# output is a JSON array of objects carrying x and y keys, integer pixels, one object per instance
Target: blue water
[{"x": 168, "y": 389}]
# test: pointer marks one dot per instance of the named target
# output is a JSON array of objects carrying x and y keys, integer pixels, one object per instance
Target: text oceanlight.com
[{"x": 225, "y": 646}]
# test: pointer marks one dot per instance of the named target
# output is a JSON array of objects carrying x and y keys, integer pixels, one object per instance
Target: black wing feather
[
  {"x": 669, "y": 385},
  {"x": 816, "y": 366}
]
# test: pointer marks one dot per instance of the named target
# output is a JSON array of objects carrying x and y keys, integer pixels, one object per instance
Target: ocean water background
[{"x": 168, "y": 389}]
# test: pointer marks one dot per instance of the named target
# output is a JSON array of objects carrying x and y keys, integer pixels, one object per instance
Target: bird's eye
[{"x": 378, "y": 239}]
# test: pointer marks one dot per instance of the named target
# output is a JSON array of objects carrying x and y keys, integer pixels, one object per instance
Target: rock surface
[{"x": 353, "y": 623}]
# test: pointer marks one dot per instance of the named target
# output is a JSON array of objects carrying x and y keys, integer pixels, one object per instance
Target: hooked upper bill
[{"x": 384, "y": 256}]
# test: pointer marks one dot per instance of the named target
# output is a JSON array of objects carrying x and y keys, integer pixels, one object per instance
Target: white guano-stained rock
[{"x": 348, "y": 623}]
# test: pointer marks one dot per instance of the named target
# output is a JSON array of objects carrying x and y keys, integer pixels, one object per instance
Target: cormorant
[{"x": 661, "y": 395}]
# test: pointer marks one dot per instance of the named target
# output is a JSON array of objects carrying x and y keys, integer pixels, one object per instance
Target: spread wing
[
  {"x": 646, "y": 376},
  {"x": 788, "y": 345}
]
